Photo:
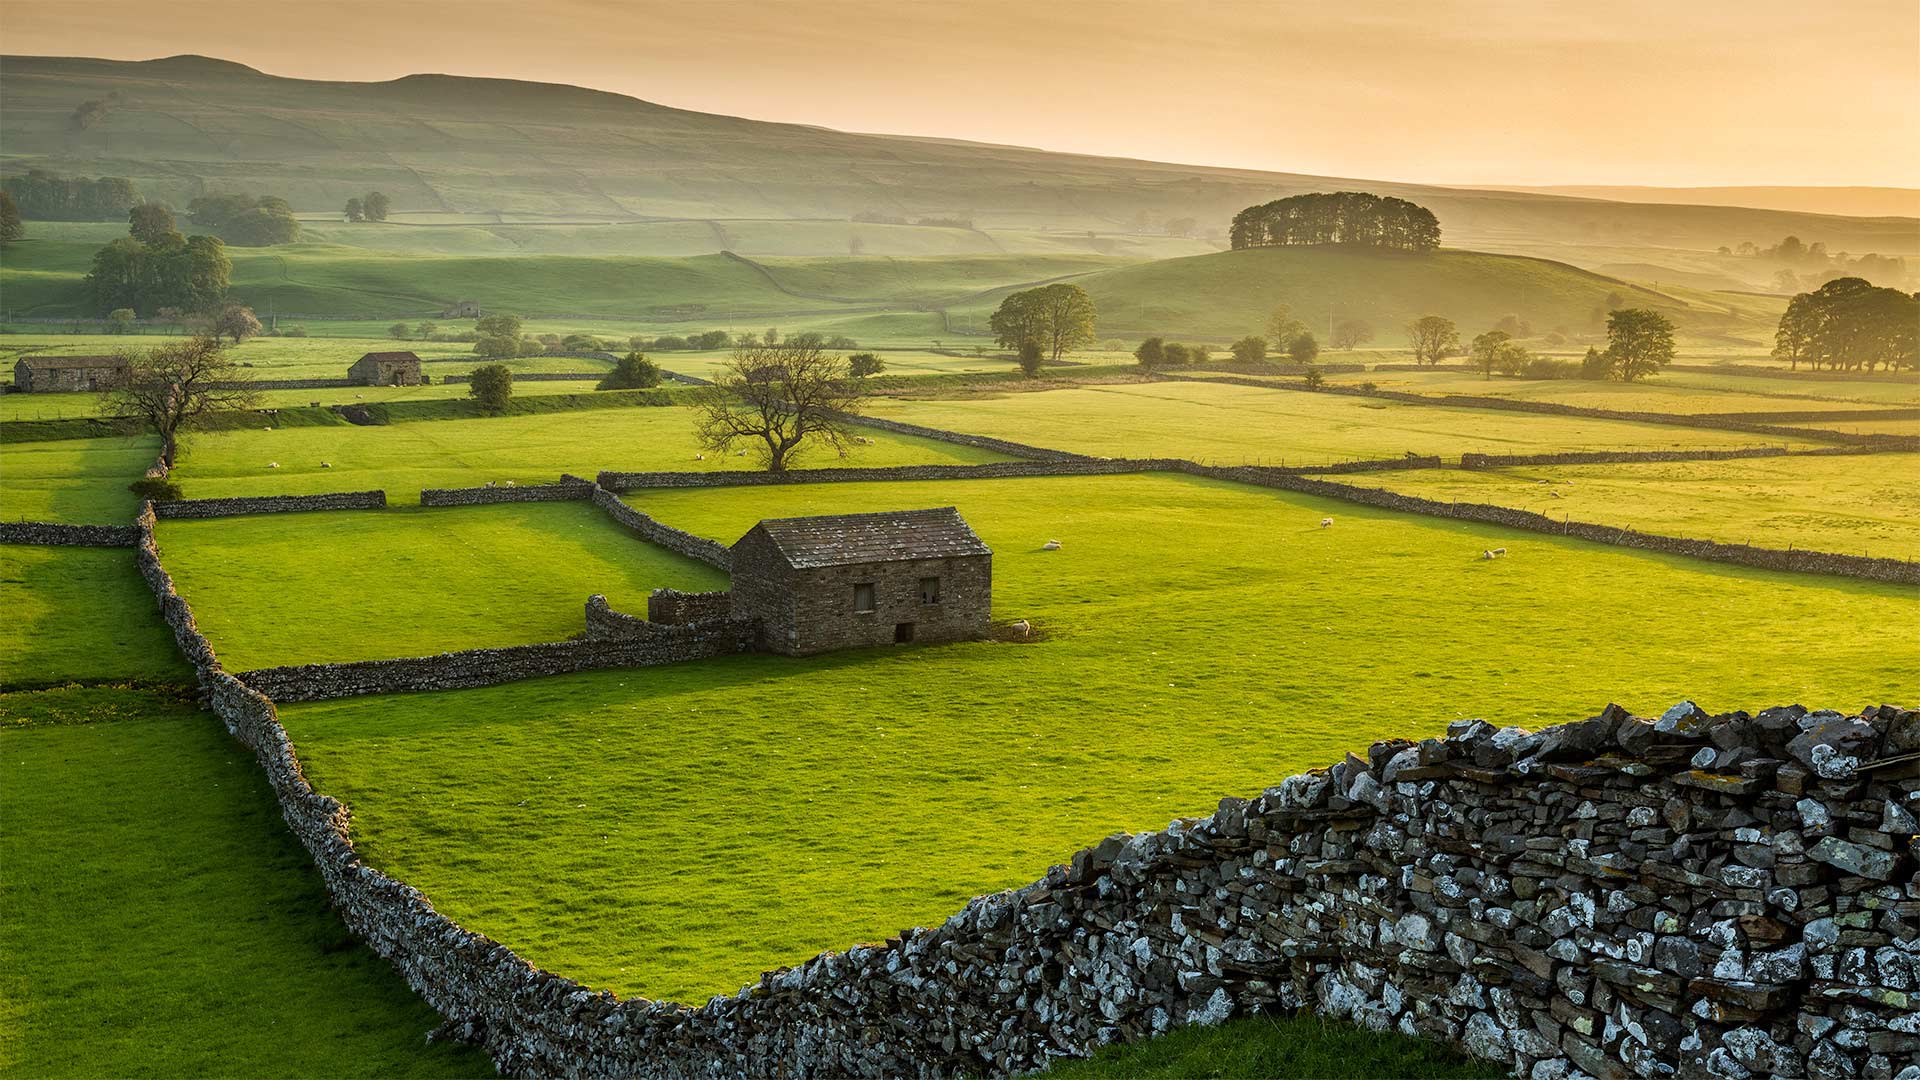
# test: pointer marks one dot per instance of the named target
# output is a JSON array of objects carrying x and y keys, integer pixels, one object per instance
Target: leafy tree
[
  {"x": 375, "y": 206},
  {"x": 426, "y": 330},
  {"x": 1174, "y": 354},
  {"x": 1849, "y": 323},
  {"x": 1485, "y": 350},
  {"x": 1595, "y": 365},
  {"x": 176, "y": 387},
  {"x": 49, "y": 197},
  {"x": 236, "y": 321},
  {"x": 1031, "y": 358},
  {"x": 188, "y": 274},
  {"x": 1511, "y": 358},
  {"x": 1151, "y": 353},
  {"x": 1514, "y": 326},
  {"x": 120, "y": 320},
  {"x": 1059, "y": 318},
  {"x": 491, "y": 387},
  {"x": 1639, "y": 342},
  {"x": 1250, "y": 350},
  {"x": 497, "y": 335},
  {"x": 1343, "y": 217},
  {"x": 632, "y": 372},
  {"x": 151, "y": 223},
  {"x": 11, "y": 227},
  {"x": 671, "y": 342},
  {"x": 781, "y": 397},
  {"x": 400, "y": 331},
  {"x": 356, "y": 210},
  {"x": 261, "y": 227},
  {"x": 1304, "y": 349},
  {"x": 840, "y": 341},
  {"x": 1282, "y": 328},
  {"x": 1434, "y": 339},
  {"x": 712, "y": 339},
  {"x": 1198, "y": 354},
  {"x": 1351, "y": 333},
  {"x": 861, "y": 365},
  {"x": 117, "y": 274},
  {"x": 1315, "y": 377}
]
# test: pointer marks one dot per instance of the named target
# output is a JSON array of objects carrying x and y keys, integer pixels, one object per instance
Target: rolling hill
[
  {"x": 462, "y": 150},
  {"x": 1230, "y": 293}
]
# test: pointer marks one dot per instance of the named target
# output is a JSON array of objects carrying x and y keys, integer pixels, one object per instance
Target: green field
[
  {"x": 1851, "y": 505},
  {"x": 674, "y": 831},
  {"x": 1234, "y": 425},
  {"x": 403, "y": 458},
  {"x": 80, "y": 615},
  {"x": 278, "y": 588},
  {"x": 77, "y": 481},
  {"x": 1272, "y": 1046},
  {"x": 158, "y": 919},
  {"x": 1669, "y": 392}
]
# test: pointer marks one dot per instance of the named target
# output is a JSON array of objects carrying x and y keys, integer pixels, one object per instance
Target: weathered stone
[{"x": 1855, "y": 859}]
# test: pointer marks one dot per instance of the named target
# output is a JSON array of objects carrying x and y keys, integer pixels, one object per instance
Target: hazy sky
[{"x": 1454, "y": 91}]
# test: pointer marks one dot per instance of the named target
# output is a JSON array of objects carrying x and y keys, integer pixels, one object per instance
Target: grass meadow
[
  {"x": 1238, "y": 425},
  {"x": 674, "y": 831},
  {"x": 78, "y": 614},
  {"x": 1276, "y": 1046},
  {"x": 1852, "y": 505},
  {"x": 74, "y": 481},
  {"x": 283, "y": 588},
  {"x": 1668, "y": 392},
  {"x": 159, "y": 920},
  {"x": 403, "y": 458}
]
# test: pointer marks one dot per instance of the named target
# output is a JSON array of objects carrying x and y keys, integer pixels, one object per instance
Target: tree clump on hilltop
[
  {"x": 1354, "y": 218},
  {"x": 1849, "y": 324}
]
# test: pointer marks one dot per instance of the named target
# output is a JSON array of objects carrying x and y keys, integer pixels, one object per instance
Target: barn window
[
  {"x": 863, "y": 597},
  {"x": 929, "y": 590}
]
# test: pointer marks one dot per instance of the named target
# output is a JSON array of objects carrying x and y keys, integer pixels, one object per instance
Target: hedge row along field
[{"x": 674, "y": 831}]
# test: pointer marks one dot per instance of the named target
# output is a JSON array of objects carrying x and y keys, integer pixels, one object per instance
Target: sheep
[
  {"x": 1051, "y": 545},
  {"x": 489, "y": 483},
  {"x": 1326, "y": 523},
  {"x": 509, "y": 483},
  {"x": 1493, "y": 553},
  {"x": 273, "y": 464},
  {"x": 1022, "y": 629},
  {"x": 739, "y": 453},
  {"x": 699, "y": 457},
  {"x": 1554, "y": 494},
  {"x": 326, "y": 464}
]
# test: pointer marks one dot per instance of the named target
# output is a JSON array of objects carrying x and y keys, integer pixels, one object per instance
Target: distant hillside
[
  {"x": 461, "y": 146},
  {"x": 1231, "y": 293},
  {"x": 1850, "y": 201}
]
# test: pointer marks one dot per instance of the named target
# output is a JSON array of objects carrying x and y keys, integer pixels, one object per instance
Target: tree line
[
  {"x": 1357, "y": 218},
  {"x": 154, "y": 270},
  {"x": 1850, "y": 324},
  {"x": 373, "y": 206},
  {"x": 45, "y": 196}
]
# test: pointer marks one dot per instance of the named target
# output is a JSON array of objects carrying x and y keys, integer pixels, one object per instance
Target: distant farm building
[
  {"x": 851, "y": 580},
  {"x": 386, "y": 369},
  {"x": 53, "y": 374},
  {"x": 461, "y": 309}
]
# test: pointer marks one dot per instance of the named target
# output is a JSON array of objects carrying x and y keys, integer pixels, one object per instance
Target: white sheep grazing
[
  {"x": 1022, "y": 628},
  {"x": 509, "y": 483},
  {"x": 326, "y": 464},
  {"x": 739, "y": 453},
  {"x": 489, "y": 483},
  {"x": 699, "y": 457},
  {"x": 1493, "y": 553},
  {"x": 273, "y": 464},
  {"x": 1051, "y": 545},
  {"x": 1326, "y": 523},
  {"x": 1555, "y": 494}
]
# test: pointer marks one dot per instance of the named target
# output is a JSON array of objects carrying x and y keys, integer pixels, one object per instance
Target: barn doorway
[{"x": 902, "y": 633}]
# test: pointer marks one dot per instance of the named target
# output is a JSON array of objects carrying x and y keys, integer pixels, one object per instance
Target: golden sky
[{"x": 1664, "y": 92}]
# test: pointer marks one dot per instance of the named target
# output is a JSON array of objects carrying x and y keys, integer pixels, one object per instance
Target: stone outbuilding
[
  {"x": 851, "y": 580},
  {"x": 386, "y": 369},
  {"x": 54, "y": 374}
]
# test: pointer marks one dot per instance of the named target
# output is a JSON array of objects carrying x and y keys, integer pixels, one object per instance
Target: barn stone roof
[
  {"x": 388, "y": 357},
  {"x": 856, "y": 539},
  {"x": 73, "y": 361}
]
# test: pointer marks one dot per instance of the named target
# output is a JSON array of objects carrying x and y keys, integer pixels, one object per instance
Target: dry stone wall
[
  {"x": 685, "y": 543},
  {"x": 567, "y": 490},
  {"x": 1604, "y": 457},
  {"x": 671, "y": 606},
  {"x": 995, "y": 470},
  {"x": 982, "y": 442},
  {"x": 270, "y": 504},
  {"x": 490, "y": 667},
  {"x": 60, "y": 535}
]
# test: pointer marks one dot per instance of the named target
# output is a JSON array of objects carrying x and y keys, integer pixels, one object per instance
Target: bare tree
[
  {"x": 176, "y": 387},
  {"x": 778, "y": 396}
]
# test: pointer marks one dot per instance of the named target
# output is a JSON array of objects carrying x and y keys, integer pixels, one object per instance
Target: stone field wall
[
  {"x": 671, "y": 606},
  {"x": 1604, "y": 457},
  {"x": 270, "y": 504},
  {"x": 994, "y": 470},
  {"x": 646, "y": 528},
  {"x": 59, "y": 535},
  {"x": 564, "y": 491},
  {"x": 982, "y": 442}
]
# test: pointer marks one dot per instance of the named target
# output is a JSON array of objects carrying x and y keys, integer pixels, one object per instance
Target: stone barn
[
  {"x": 851, "y": 580},
  {"x": 53, "y": 374},
  {"x": 386, "y": 369}
]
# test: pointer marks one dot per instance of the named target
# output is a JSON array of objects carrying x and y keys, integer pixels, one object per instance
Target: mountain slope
[{"x": 185, "y": 125}]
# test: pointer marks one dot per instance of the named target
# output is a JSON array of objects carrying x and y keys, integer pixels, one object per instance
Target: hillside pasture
[
  {"x": 404, "y": 458},
  {"x": 1669, "y": 392},
  {"x": 1851, "y": 505},
  {"x": 675, "y": 831},
  {"x": 159, "y": 920},
  {"x": 366, "y": 585},
  {"x": 76, "y": 614},
  {"x": 1234, "y": 425},
  {"x": 75, "y": 481}
]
